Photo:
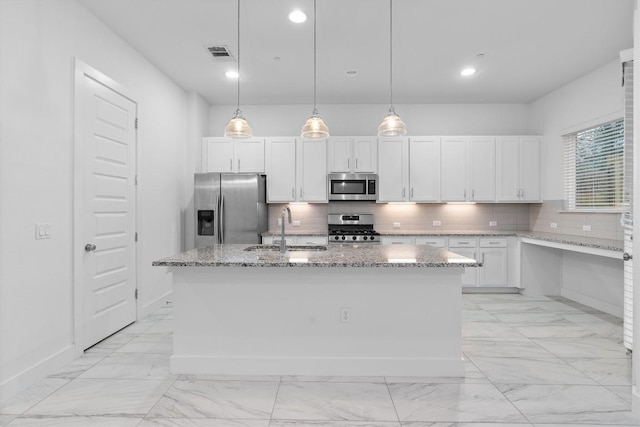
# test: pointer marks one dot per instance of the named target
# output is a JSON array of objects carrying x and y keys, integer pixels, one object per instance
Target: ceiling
[{"x": 530, "y": 47}]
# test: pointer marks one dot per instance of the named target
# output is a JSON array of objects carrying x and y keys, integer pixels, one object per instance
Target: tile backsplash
[
  {"x": 416, "y": 217},
  {"x": 602, "y": 225}
]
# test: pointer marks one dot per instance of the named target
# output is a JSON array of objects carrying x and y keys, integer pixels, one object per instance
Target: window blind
[{"x": 594, "y": 168}]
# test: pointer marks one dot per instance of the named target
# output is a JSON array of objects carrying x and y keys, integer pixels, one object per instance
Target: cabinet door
[
  {"x": 312, "y": 178},
  {"x": 339, "y": 155},
  {"x": 530, "y": 169},
  {"x": 469, "y": 277},
  {"x": 249, "y": 155},
  {"x": 392, "y": 169},
  {"x": 424, "y": 169},
  {"x": 508, "y": 169},
  {"x": 365, "y": 155},
  {"x": 482, "y": 169},
  {"x": 494, "y": 268},
  {"x": 453, "y": 170},
  {"x": 281, "y": 169},
  {"x": 219, "y": 155}
]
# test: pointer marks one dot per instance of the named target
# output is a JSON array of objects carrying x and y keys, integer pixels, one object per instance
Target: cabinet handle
[
  {"x": 238, "y": 165},
  {"x": 301, "y": 192},
  {"x": 404, "y": 190},
  {"x": 411, "y": 192},
  {"x": 356, "y": 163},
  {"x": 522, "y": 192},
  {"x": 473, "y": 194},
  {"x": 482, "y": 261},
  {"x": 293, "y": 193},
  {"x": 465, "y": 193},
  {"x": 230, "y": 165}
]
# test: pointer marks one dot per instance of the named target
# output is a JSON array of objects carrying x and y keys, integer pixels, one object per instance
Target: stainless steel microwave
[{"x": 353, "y": 186}]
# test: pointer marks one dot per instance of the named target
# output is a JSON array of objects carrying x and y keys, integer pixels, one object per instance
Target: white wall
[
  {"x": 38, "y": 42},
  {"x": 579, "y": 104},
  {"x": 360, "y": 120}
]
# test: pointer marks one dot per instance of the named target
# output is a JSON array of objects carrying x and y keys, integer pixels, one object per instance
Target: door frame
[{"x": 82, "y": 70}]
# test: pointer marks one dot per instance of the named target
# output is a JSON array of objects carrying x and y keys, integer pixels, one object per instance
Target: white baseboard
[
  {"x": 604, "y": 306},
  {"x": 322, "y": 366},
  {"x": 152, "y": 306},
  {"x": 28, "y": 377}
]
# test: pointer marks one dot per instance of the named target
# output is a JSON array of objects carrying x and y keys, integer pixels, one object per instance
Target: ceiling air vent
[{"x": 220, "y": 53}]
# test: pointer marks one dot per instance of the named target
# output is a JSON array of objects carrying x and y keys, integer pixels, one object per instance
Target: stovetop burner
[{"x": 352, "y": 228}]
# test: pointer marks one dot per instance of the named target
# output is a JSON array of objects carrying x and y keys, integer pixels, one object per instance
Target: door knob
[
  {"x": 626, "y": 256},
  {"x": 89, "y": 247}
]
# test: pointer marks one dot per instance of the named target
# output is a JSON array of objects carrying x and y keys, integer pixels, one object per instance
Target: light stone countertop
[{"x": 234, "y": 255}]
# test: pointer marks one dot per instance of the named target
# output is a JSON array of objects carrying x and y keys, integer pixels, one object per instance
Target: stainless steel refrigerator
[{"x": 230, "y": 208}]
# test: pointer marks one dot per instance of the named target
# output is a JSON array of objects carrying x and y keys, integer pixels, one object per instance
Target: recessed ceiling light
[
  {"x": 232, "y": 74},
  {"x": 297, "y": 16},
  {"x": 352, "y": 73},
  {"x": 467, "y": 72}
]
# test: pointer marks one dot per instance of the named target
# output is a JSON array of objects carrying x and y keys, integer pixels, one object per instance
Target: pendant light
[
  {"x": 314, "y": 128},
  {"x": 238, "y": 127},
  {"x": 391, "y": 125}
]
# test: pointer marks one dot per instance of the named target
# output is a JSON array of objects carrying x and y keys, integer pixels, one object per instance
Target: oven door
[{"x": 351, "y": 187}]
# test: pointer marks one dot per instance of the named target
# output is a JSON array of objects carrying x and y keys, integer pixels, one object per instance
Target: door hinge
[
  {"x": 136, "y": 123},
  {"x": 135, "y": 236},
  {"x": 136, "y": 293}
]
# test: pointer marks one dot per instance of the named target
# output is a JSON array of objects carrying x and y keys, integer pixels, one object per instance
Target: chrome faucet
[{"x": 283, "y": 242}]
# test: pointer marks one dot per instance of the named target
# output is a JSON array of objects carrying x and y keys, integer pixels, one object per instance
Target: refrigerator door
[
  {"x": 242, "y": 217},
  {"x": 206, "y": 204}
]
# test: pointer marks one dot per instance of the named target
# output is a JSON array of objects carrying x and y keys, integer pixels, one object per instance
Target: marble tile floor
[{"x": 537, "y": 362}]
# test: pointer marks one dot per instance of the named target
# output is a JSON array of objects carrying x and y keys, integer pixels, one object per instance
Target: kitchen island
[{"x": 380, "y": 310}]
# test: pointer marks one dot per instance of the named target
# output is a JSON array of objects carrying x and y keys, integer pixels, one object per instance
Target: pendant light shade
[
  {"x": 314, "y": 128},
  {"x": 238, "y": 127},
  {"x": 392, "y": 124}
]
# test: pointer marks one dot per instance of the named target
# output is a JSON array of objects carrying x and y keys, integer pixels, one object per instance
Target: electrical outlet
[
  {"x": 396, "y": 225},
  {"x": 437, "y": 223},
  {"x": 345, "y": 314},
  {"x": 493, "y": 223},
  {"x": 553, "y": 225},
  {"x": 586, "y": 228},
  {"x": 43, "y": 231},
  {"x": 295, "y": 223}
]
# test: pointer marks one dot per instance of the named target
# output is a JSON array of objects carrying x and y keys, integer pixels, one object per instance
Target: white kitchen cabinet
[
  {"x": 281, "y": 170},
  {"x": 312, "y": 170},
  {"x": 352, "y": 155},
  {"x": 453, "y": 169},
  {"x": 296, "y": 240},
  {"x": 466, "y": 247},
  {"x": 519, "y": 175},
  {"x": 424, "y": 169},
  {"x": 482, "y": 169},
  {"x": 494, "y": 258},
  {"x": 229, "y": 155},
  {"x": 436, "y": 242},
  {"x": 393, "y": 169},
  {"x": 296, "y": 170},
  {"x": 397, "y": 240}
]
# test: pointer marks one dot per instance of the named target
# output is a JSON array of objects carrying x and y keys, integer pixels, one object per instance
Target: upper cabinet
[
  {"x": 393, "y": 169},
  {"x": 519, "y": 163},
  {"x": 453, "y": 169},
  {"x": 352, "y": 155},
  {"x": 468, "y": 166},
  {"x": 296, "y": 170},
  {"x": 229, "y": 155}
]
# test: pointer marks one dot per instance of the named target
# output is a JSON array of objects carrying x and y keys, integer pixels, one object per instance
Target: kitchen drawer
[
  {"x": 462, "y": 242},
  {"x": 311, "y": 240},
  {"x": 397, "y": 240},
  {"x": 436, "y": 242},
  {"x": 492, "y": 242}
]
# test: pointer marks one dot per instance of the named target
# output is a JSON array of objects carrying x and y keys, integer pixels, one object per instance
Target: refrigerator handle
[
  {"x": 218, "y": 219},
  {"x": 221, "y": 216}
]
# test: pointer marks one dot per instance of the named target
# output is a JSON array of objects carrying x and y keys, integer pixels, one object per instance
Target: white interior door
[{"x": 108, "y": 139}]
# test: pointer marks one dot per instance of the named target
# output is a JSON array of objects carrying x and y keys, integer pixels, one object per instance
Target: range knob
[
  {"x": 343, "y": 237},
  {"x": 372, "y": 237},
  {"x": 365, "y": 237},
  {"x": 354, "y": 238},
  {"x": 337, "y": 237}
]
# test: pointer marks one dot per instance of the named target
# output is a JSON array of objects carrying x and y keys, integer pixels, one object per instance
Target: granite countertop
[
  {"x": 294, "y": 233},
  {"x": 589, "y": 242},
  {"x": 470, "y": 233},
  {"x": 234, "y": 255}
]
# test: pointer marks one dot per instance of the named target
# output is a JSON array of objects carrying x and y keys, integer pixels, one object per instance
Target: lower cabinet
[
  {"x": 466, "y": 246},
  {"x": 296, "y": 240},
  {"x": 397, "y": 240},
  {"x": 494, "y": 256}
]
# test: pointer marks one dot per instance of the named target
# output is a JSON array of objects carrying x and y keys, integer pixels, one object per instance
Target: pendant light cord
[
  {"x": 315, "y": 14},
  {"x": 390, "y": 55},
  {"x": 238, "y": 107}
]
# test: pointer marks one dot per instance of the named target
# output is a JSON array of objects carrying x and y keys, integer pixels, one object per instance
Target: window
[{"x": 594, "y": 168}]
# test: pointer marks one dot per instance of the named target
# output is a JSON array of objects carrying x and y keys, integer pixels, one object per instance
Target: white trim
[
  {"x": 29, "y": 376},
  {"x": 600, "y": 120},
  {"x": 81, "y": 70},
  {"x": 626, "y": 55},
  {"x": 589, "y": 301}
]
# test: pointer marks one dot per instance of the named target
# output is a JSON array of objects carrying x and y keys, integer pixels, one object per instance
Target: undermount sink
[{"x": 293, "y": 248}]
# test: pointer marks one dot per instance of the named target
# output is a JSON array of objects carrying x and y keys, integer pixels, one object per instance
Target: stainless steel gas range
[{"x": 352, "y": 228}]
